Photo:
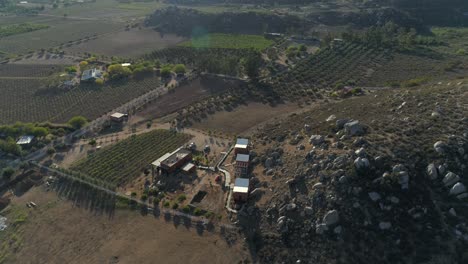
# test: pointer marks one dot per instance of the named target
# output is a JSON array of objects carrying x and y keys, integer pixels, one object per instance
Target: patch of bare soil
[
  {"x": 57, "y": 232},
  {"x": 187, "y": 94},
  {"x": 243, "y": 117},
  {"x": 130, "y": 43}
]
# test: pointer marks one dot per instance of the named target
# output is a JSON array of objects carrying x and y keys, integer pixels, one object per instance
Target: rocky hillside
[{"x": 378, "y": 178}]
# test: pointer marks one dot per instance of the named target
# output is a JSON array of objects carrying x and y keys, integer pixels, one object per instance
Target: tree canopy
[{"x": 77, "y": 122}]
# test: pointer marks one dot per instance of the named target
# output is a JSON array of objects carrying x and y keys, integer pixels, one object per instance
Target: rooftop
[
  {"x": 188, "y": 166},
  {"x": 241, "y": 185},
  {"x": 24, "y": 140},
  {"x": 91, "y": 73},
  {"x": 242, "y": 143},
  {"x": 117, "y": 115},
  {"x": 242, "y": 158},
  {"x": 169, "y": 159}
]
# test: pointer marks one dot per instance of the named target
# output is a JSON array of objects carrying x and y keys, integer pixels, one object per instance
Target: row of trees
[
  {"x": 390, "y": 36},
  {"x": 117, "y": 71}
]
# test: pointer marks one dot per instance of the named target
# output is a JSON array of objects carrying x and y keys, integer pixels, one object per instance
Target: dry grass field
[{"x": 59, "y": 232}]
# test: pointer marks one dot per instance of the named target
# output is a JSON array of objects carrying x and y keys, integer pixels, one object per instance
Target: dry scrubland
[
  {"x": 400, "y": 128},
  {"x": 66, "y": 233}
]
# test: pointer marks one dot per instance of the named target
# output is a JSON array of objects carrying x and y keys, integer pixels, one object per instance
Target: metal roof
[
  {"x": 240, "y": 189},
  {"x": 117, "y": 115},
  {"x": 242, "y": 143},
  {"x": 241, "y": 185},
  {"x": 24, "y": 140},
  {"x": 188, "y": 166},
  {"x": 242, "y": 158},
  {"x": 162, "y": 158}
]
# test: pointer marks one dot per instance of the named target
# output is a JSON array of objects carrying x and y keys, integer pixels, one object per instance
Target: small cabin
[{"x": 241, "y": 190}]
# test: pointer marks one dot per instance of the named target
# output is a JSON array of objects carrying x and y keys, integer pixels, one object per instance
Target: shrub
[
  {"x": 50, "y": 151},
  {"x": 461, "y": 52},
  {"x": 167, "y": 204},
  {"x": 99, "y": 81},
  {"x": 186, "y": 209},
  {"x": 209, "y": 214},
  {"x": 144, "y": 197},
  {"x": 175, "y": 205},
  {"x": 7, "y": 173},
  {"x": 166, "y": 71},
  {"x": 92, "y": 142},
  {"x": 179, "y": 69},
  {"x": 181, "y": 198},
  {"x": 83, "y": 64},
  {"x": 197, "y": 211},
  {"x": 77, "y": 122},
  {"x": 117, "y": 71}
]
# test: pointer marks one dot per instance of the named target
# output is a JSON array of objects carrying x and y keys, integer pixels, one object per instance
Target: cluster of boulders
[{"x": 449, "y": 180}]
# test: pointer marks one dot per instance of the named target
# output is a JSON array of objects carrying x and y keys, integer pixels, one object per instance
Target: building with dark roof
[{"x": 242, "y": 164}]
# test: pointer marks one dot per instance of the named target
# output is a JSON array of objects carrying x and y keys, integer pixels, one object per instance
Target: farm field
[
  {"x": 8, "y": 30},
  {"x": 24, "y": 99},
  {"x": 124, "y": 161},
  {"x": 185, "y": 95},
  {"x": 341, "y": 65},
  {"x": 132, "y": 43},
  {"x": 229, "y": 41},
  {"x": 70, "y": 30},
  {"x": 107, "y": 10},
  {"x": 28, "y": 70}
]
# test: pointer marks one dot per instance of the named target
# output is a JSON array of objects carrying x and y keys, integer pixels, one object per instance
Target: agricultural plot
[
  {"x": 229, "y": 41},
  {"x": 24, "y": 99},
  {"x": 28, "y": 70},
  {"x": 124, "y": 161},
  {"x": 8, "y": 30},
  {"x": 344, "y": 64},
  {"x": 60, "y": 31},
  {"x": 130, "y": 43}
]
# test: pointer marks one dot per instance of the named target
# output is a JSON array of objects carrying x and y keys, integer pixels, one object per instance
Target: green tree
[
  {"x": 39, "y": 132},
  {"x": 77, "y": 122},
  {"x": 117, "y": 71},
  {"x": 179, "y": 69},
  {"x": 252, "y": 65},
  {"x": 166, "y": 71}
]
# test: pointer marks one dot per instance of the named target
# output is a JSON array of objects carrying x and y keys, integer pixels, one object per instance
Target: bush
[
  {"x": 197, "y": 211},
  {"x": 83, "y": 64},
  {"x": 186, "y": 209},
  {"x": 181, "y": 198},
  {"x": 50, "y": 151},
  {"x": 179, "y": 69},
  {"x": 167, "y": 204},
  {"x": 144, "y": 197},
  {"x": 209, "y": 214},
  {"x": 175, "y": 205},
  {"x": 7, "y": 173},
  {"x": 117, "y": 71},
  {"x": 166, "y": 71},
  {"x": 99, "y": 81},
  {"x": 77, "y": 122}
]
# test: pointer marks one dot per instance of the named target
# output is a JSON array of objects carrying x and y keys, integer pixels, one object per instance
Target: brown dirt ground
[
  {"x": 57, "y": 232},
  {"x": 242, "y": 118},
  {"x": 134, "y": 42},
  {"x": 185, "y": 95}
]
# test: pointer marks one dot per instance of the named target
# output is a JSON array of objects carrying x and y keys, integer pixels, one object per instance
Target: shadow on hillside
[{"x": 85, "y": 196}]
